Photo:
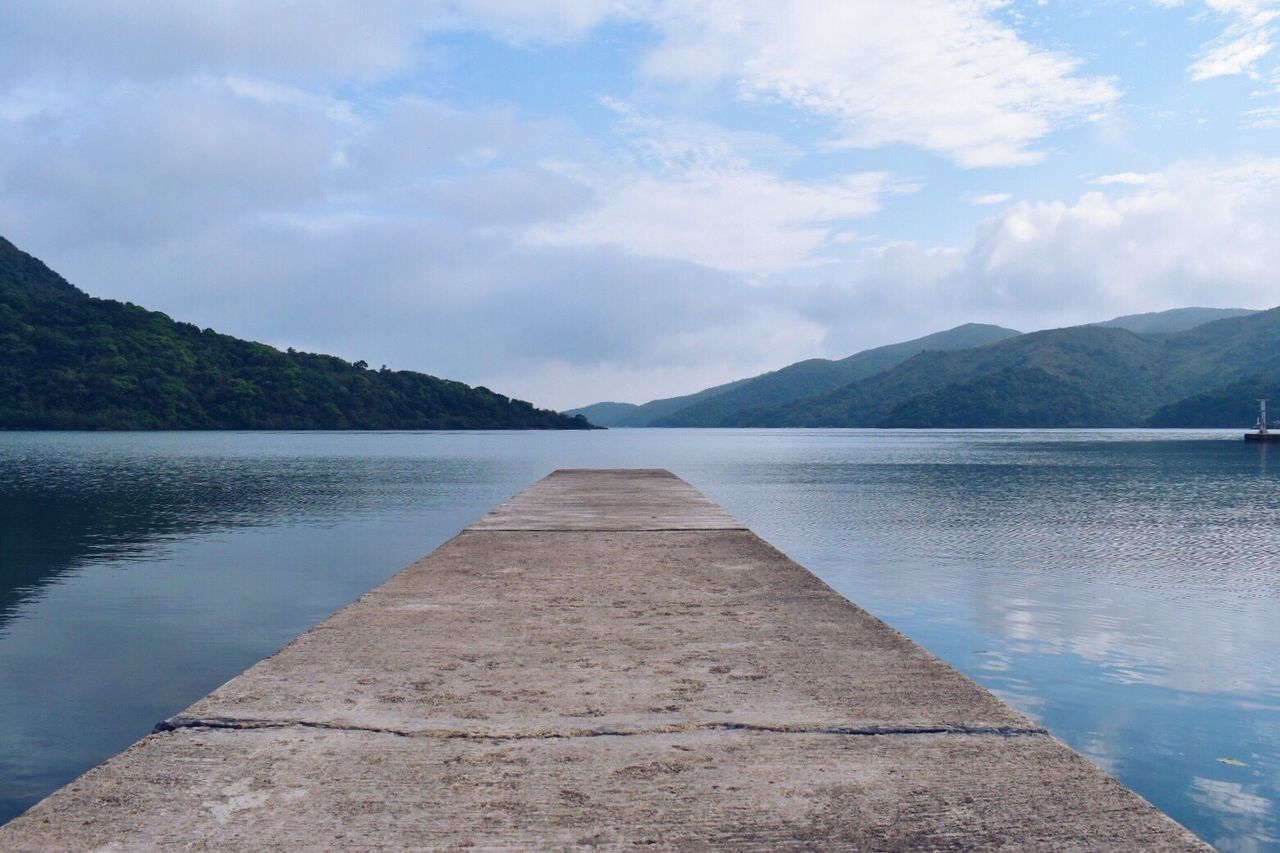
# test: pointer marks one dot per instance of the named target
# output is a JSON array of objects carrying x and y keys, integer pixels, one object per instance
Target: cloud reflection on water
[{"x": 1121, "y": 587}]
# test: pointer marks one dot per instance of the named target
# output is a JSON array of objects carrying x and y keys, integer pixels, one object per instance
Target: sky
[{"x": 579, "y": 200}]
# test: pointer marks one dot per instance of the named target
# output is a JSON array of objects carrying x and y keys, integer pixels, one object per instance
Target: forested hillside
[
  {"x": 1085, "y": 376},
  {"x": 1192, "y": 367},
  {"x": 722, "y": 404},
  {"x": 815, "y": 376},
  {"x": 70, "y": 361}
]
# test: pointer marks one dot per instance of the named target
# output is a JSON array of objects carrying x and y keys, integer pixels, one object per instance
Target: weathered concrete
[
  {"x": 607, "y": 659},
  {"x": 637, "y": 499}
]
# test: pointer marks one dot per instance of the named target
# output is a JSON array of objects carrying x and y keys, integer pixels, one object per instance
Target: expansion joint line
[
  {"x": 178, "y": 723},
  {"x": 607, "y": 530}
]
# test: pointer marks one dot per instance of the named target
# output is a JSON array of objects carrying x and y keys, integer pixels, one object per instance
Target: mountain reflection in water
[{"x": 1122, "y": 587}]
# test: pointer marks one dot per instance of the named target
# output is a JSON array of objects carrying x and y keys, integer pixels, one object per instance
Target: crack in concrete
[{"x": 235, "y": 723}]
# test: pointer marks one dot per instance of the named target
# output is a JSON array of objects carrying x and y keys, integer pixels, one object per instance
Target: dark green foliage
[
  {"x": 69, "y": 361},
  {"x": 793, "y": 382},
  {"x": 723, "y": 404},
  {"x": 1231, "y": 405},
  {"x": 815, "y": 376},
  {"x": 1011, "y": 397},
  {"x": 1089, "y": 376},
  {"x": 1171, "y": 368}
]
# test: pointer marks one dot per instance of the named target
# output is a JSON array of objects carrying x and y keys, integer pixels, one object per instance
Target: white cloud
[
  {"x": 1135, "y": 179},
  {"x": 740, "y": 220},
  {"x": 943, "y": 76},
  {"x": 1191, "y": 224},
  {"x": 1263, "y": 118},
  {"x": 757, "y": 341},
  {"x": 410, "y": 142},
  {"x": 143, "y": 166},
  {"x": 693, "y": 191},
  {"x": 329, "y": 40},
  {"x": 554, "y": 325},
  {"x": 1232, "y": 56},
  {"x": 397, "y": 281},
  {"x": 1229, "y": 797},
  {"x": 1248, "y": 38},
  {"x": 389, "y": 232},
  {"x": 544, "y": 21},
  {"x": 389, "y": 229},
  {"x": 150, "y": 39},
  {"x": 1192, "y": 234},
  {"x": 272, "y": 175}
]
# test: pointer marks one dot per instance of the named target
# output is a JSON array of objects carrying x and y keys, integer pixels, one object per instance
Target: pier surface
[{"x": 608, "y": 659}]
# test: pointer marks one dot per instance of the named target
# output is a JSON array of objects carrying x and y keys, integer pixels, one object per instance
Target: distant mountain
[
  {"x": 605, "y": 414},
  {"x": 1232, "y": 405},
  {"x": 815, "y": 376},
  {"x": 1175, "y": 320},
  {"x": 722, "y": 405},
  {"x": 1086, "y": 376},
  {"x": 70, "y": 361},
  {"x": 647, "y": 413}
]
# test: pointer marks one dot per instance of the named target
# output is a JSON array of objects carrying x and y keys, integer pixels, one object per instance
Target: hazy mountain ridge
[
  {"x": 719, "y": 405},
  {"x": 816, "y": 376},
  {"x": 888, "y": 399},
  {"x": 71, "y": 361},
  {"x": 1084, "y": 376},
  {"x": 646, "y": 414},
  {"x": 605, "y": 414},
  {"x": 1188, "y": 370},
  {"x": 1174, "y": 320}
]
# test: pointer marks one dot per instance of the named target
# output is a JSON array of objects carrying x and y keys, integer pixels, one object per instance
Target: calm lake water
[{"x": 1123, "y": 587}]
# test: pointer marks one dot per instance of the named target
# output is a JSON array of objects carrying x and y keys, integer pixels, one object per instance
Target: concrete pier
[{"x": 608, "y": 659}]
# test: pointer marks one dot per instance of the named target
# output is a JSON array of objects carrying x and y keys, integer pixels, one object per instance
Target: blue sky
[{"x": 577, "y": 200}]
